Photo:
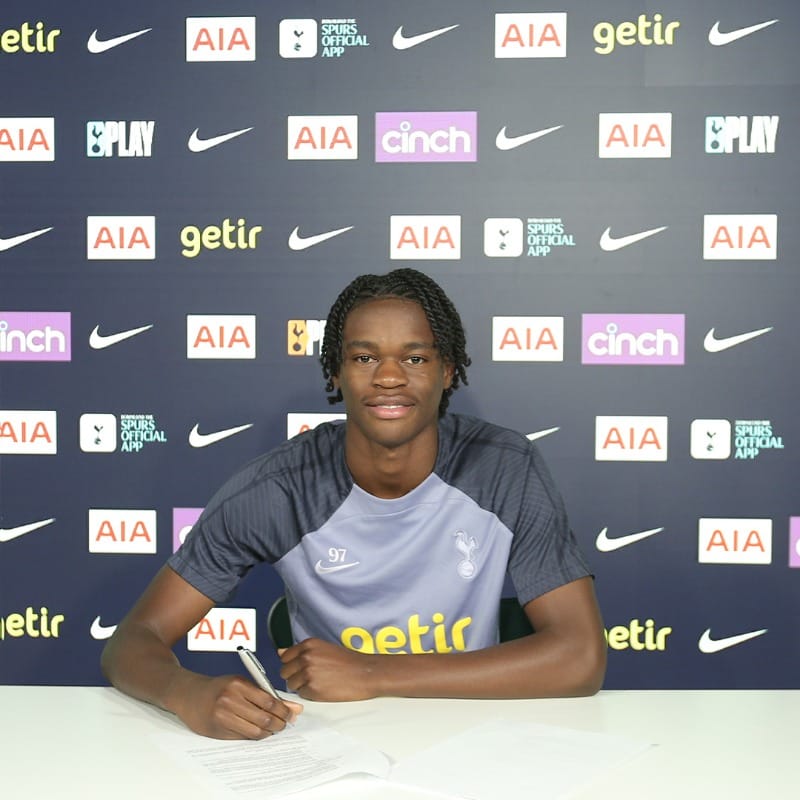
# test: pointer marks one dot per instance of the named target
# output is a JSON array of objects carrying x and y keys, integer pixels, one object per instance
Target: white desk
[{"x": 75, "y": 742}]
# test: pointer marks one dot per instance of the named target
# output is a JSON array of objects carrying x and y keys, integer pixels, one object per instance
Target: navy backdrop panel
[{"x": 606, "y": 190}]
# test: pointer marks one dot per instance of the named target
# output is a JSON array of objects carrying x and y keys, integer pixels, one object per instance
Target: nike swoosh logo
[
  {"x": 198, "y": 145},
  {"x": 401, "y": 42},
  {"x": 718, "y": 38},
  {"x": 7, "y": 534},
  {"x": 97, "y": 341},
  {"x": 7, "y": 244},
  {"x": 197, "y": 439},
  {"x": 606, "y": 545},
  {"x": 95, "y": 45},
  {"x": 609, "y": 243},
  {"x": 709, "y": 645},
  {"x": 714, "y": 345},
  {"x": 298, "y": 242},
  {"x": 323, "y": 570},
  {"x": 540, "y": 434},
  {"x": 505, "y": 142},
  {"x": 99, "y": 631}
]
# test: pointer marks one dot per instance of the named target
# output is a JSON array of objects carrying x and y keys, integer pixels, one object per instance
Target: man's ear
[{"x": 449, "y": 371}]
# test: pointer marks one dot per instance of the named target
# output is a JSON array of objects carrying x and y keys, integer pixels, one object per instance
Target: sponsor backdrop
[{"x": 607, "y": 191}]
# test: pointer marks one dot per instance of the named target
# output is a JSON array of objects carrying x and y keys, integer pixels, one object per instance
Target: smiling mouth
[{"x": 384, "y": 410}]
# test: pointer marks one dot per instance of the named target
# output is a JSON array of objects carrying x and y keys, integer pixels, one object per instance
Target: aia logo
[
  {"x": 27, "y": 139},
  {"x": 31, "y": 433},
  {"x": 220, "y": 336},
  {"x": 304, "y": 336},
  {"x": 120, "y": 238},
  {"x": 320, "y": 138},
  {"x": 734, "y": 541},
  {"x": 530, "y": 35},
  {"x": 527, "y": 338},
  {"x": 635, "y": 135},
  {"x": 223, "y": 630},
  {"x": 220, "y": 38},
  {"x": 122, "y": 530},
  {"x": 425, "y": 237},
  {"x": 183, "y": 519},
  {"x": 300, "y": 423},
  {"x": 630, "y": 438},
  {"x": 740, "y": 237}
]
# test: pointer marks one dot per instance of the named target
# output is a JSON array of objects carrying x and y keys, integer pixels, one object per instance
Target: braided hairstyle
[{"x": 406, "y": 284}]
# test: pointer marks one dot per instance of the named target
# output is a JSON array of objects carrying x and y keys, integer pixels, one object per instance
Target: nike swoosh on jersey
[
  {"x": 99, "y": 631},
  {"x": 7, "y": 534},
  {"x": 320, "y": 569},
  {"x": 97, "y": 341},
  {"x": 610, "y": 243},
  {"x": 606, "y": 545},
  {"x": 718, "y": 38},
  {"x": 401, "y": 42},
  {"x": 540, "y": 434},
  {"x": 712, "y": 344},
  {"x": 505, "y": 142},
  {"x": 197, "y": 439},
  {"x": 198, "y": 145},
  {"x": 13, "y": 241},
  {"x": 709, "y": 645},
  {"x": 298, "y": 242},
  {"x": 95, "y": 45}
]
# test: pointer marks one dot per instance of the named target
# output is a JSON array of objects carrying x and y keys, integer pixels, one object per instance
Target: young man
[{"x": 393, "y": 534}]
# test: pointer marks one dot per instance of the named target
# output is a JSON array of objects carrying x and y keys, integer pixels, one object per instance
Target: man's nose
[{"x": 389, "y": 373}]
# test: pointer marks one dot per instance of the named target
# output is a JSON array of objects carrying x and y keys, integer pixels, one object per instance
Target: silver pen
[{"x": 256, "y": 670}]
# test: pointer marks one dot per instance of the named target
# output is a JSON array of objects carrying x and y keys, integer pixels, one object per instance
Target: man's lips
[{"x": 389, "y": 407}]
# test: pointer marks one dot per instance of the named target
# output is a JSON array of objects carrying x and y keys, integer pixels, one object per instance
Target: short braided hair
[{"x": 407, "y": 284}]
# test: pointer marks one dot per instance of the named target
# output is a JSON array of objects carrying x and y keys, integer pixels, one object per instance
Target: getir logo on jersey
[
  {"x": 633, "y": 339},
  {"x": 741, "y": 134},
  {"x": 119, "y": 138},
  {"x": 630, "y": 439},
  {"x": 322, "y": 138},
  {"x": 27, "y": 139},
  {"x": 120, "y": 238},
  {"x": 635, "y": 135},
  {"x": 304, "y": 336},
  {"x": 122, "y": 530},
  {"x": 530, "y": 35},
  {"x": 734, "y": 541},
  {"x": 527, "y": 338},
  {"x": 300, "y": 423},
  {"x": 740, "y": 237},
  {"x": 35, "y": 336},
  {"x": 425, "y": 237},
  {"x": 220, "y": 336},
  {"x": 223, "y": 630},
  {"x": 183, "y": 519},
  {"x": 28, "y": 433},
  {"x": 220, "y": 38}
]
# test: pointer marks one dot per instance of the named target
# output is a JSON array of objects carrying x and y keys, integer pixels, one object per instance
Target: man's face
[{"x": 392, "y": 376}]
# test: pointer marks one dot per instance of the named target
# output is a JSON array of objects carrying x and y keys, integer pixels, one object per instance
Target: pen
[{"x": 256, "y": 670}]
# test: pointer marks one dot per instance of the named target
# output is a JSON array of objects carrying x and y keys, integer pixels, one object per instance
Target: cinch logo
[
  {"x": 28, "y": 433},
  {"x": 304, "y": 336},
  {"x": 527, "y": 338},
  {"x": 223, "y": 630},
  {"x": 35, "y": 336},
  {"x": 228, "y": 235},
  {"x": 635, "y": 636},
  {"x": 740, "y": 237},
  {"x": 220, "y": 38},
  {"x": 31, "y": 623},
  {"x": 183, "y": 520},
  {"x": 425, "y": 237},
  {"x": 323, "y": 137},
  {"x": 27, "y": 139},
  {"x": 300, "y": 423},
  {"x": 635, "y": 135},
  {"x": 643, "y": 31},
  {"x": 741, "y": 134},
  {"x": 633, "y": 339},
  {"x": 530, "y": 35},
  {"x": 426, "y": 136},
  {"x": 120, "y": 138},
  {"x": 734, "y": 541},
  {"x": 710, "y": 438},
  {"x": 120, "y": 238},
  {"x": 298, "y": 38},
  {"x": 122, "y": 530},
  {"x": 220, "y": 336},
  {"x": 630, "y": 439},
  {"x": 414, "y": 638},
  {"x": 794, "y": 541},
  {"x": 29, "y": 39}
]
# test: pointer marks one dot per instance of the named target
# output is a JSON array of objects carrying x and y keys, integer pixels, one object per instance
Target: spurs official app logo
[
  {"x": 27, "y": 139},
  {"x": 28, "y": 39},
  {"x": 220, "y": 38},
  {"x": 426, "y": 136},
  {"x": 122, "y": 530},
  {"x": 637, "y": 636},
  {"x": 220, "y": 336},
  {"x": 183, "y": 519},
  {"x": 318, "y": 138},
  {"x": 425, "y": 237},
  {"x": 630, "y": 438},
  {"x": 741, "y": 134},
  {"x": 740, "y": 237},
  {"x": 530, "y": 35},
  {"x": 223, "y": 630},
  {"x": 30, "y": 622},
  {"x": 527, "y": 338},
  {"x": 633, "y": 339},
  {"x": 794, "y": 541},
  {"x": 644, "y": 31},
  {"x": 637, "y": 135},
  {"x": 710, "y": 439},
  {"x": 734, "y": 541},
  {"x": 35, "y": 336},
  {"x": 509, "y": 237},
  {"x": 300, "y": 423},
  {"x": 231, "y": 236},
  {"x": 108, "y": 138},
  {"x": 304, "y": 336},
  {"x": 301, "y": 38},
  {"x": 120, "y": 238},
  {"x": 98, "y": 433},
  {"x": 28, "y": 433}
]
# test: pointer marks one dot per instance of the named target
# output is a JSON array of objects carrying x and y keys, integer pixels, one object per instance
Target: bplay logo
[
  {"x": 120, "y": 238},
  {"x": 28, "y": 433},
  {"x": 183, "y": 520},
  {"x": 637, "y": 636},
  {"x": 794, "y": 542},
  {"x": 27, "y": 138},
  {"x": 530, "y": 35},
  {"x": 304, "y": 336},
  {"x": 231, "y": 236},
  {"x": 741, "y": 134},
  {"x": 426, "y": 136},
  {"x": 637, "y": 135},
  {"x": 527, "y": 338},
  {"x": 740, "y": 237},
  {"x": 31, "y": 623},
  {"x": 301, "y": 38},
  {"x": 224, "y": 630},
  {"x": 29, "y": 39},
  {"x": 633, "y": 339},
  {"x": 132, "y": 139},
  {"x": 644, "y": 31},
  {"x": 220, "y": 336},
  {"x": 318, "y": 138},
  {"x": 734, "y": 541},
  {"x": 300, "y": 423},
  {"x": 220, "y": 38},
  {"x": 35, "y": 336},
  {"x": 630, "y": 438},
  {"x": 122, "y": 530},
  {"x": 98, "y": 432},
  {"x": 419, "y": 237}
]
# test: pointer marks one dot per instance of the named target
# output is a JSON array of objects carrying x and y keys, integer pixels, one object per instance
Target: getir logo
[
  {"x": 740, "y": 237},
  {"x": 27, "y": 139},
  {"x": 122, "y": 530},
  {"x": 220, "y": 336},
  {"x": 638, "y": 636},
  {"x": 228, "y": 235},
  {"x": 633, "y": 339},
  {"x": 644, "y": 31},
  {"x": 435, "y": 636},
  {"x": 527, "y": 338},
  {"x": 300, "y": 423},
  {"x": 530, "y": 35},
  {"x": 31, "y": 623},
  {"x": 120, "y": 238},
  {"x": 29, "y": 39},
  {"x": 635, "y": 135},
  {"x": 741, "y": 134},
  {"x": 304, "y": 336},
  {"x": 220, "y": 38},
  {"x": 35, "y": 336},
  {"x": 119, "y": 138},
  {"x": 28, "y": 433},
  {"x": 183, "y": 519},
  {"x": 223, "y": 630},
  {"x": 630, "y": 438},
  {"x": 426, "y": 136},
  {"x": 320, "y": 138},
  {"x": 425, "y": 237},
  {"x": 734, "y": 541}
]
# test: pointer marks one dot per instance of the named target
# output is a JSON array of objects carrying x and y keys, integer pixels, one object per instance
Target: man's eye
[
  {"x": 363, "y": 359},
  {"x": 416, "y": 359}
]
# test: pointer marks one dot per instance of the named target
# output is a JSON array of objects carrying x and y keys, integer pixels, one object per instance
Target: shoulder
[{"x": 460, "y": 432}]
